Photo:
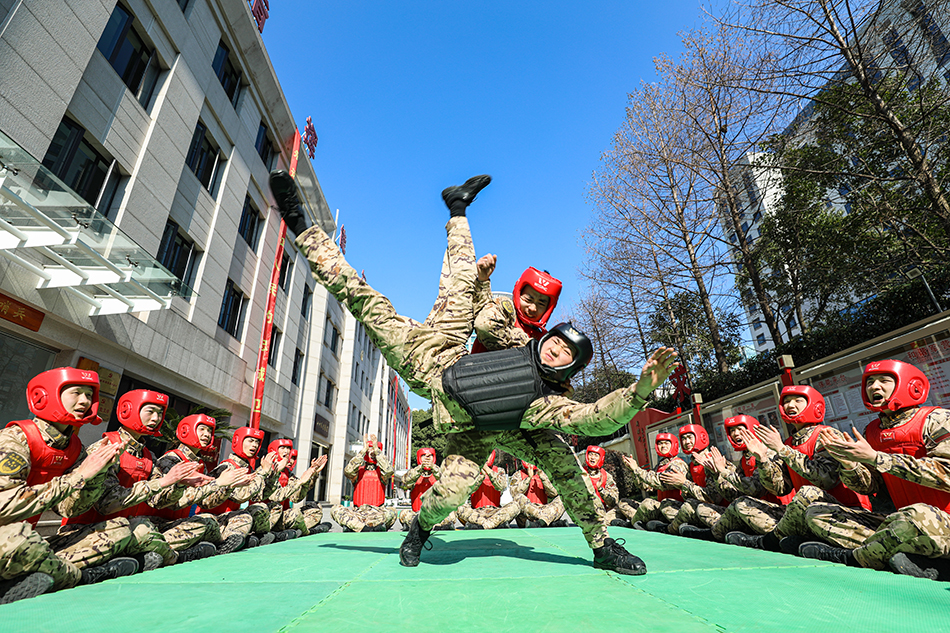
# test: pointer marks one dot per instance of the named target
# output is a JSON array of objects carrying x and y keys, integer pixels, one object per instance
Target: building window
[
  {"x": 298, "y": 366},
  {"x": 74, "y": 161},
  {"x": 126, "y": 50},
  {"x": 182, "y": 4},
  {"x": 228, "y": 75},
  {"x": 273, "y": 352},
  {"x": 286, "y": 271},
  {"x": 263, "y": 146},
  {"x": 327, "y": 391},
  {"x": 204, "y": 157},
  {"x": 758, "y": 325},
  {"x": 760, "y": 339},
  {"x": 233, "y": 307},
  {"x": 178, "y": 254},
  {"x": 307, "y": 300},
  {"x": 935, "y": 37},
  {"x": 332, "y": 337},
  {"x": 792, "y": 323},
  {"x": 250, "y": 227}
]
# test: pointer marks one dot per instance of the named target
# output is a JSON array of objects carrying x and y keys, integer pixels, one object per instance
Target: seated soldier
[
  {"x": 370, "y": 471},
  {"x": 702, "y": 499},
  {"x": 483, "y": 510},
  {"x": 802, "y": 468},
  {"x": 135, "y": 486},
  {"x": 431, "y": 357},
  {"x": 906, "y": 450},
  {"x": 603, "y": 483},
  {"x": 539, "y": 500},
  {"x": 245, "y": 443},
  {"x": 44, "y": 466},
  {"x": 228, "y": 532},
  {"x": 669, "y": 499},
  {"x": 303, "y": 516},
  {"x": 417, "y": 480}
]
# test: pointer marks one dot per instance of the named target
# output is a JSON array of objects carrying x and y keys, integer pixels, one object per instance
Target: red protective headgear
[
  {"x": 524, "y": 465},
  {"x": 491, "y": 460},
  {"x": 371, "y": 459},
  {"x": 237, "y": 441},
  {"x": 129, "y": 410},
  {"x": 674, "y": 445},
  {"x": 600, "y": 456},
  {"x": 911, "y": 388},
  {"x": 814, "y": 412},
  {"x": 187, "y": 432},
  {"x": 293, "y": 460},
  {"x": 543, "y": 283},
  {"x": 425, "y": 451},
  {"x": 739, "y": 420},
  {"x": 276, "y": 444},
  {"x": 43, "y": 395},
  {"x": 702, "y": 438}
]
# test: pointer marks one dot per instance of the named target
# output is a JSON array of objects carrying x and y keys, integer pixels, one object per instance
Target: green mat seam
[
  {"x": 620, "y": 578},
  {"x": 293, "y": 623}
]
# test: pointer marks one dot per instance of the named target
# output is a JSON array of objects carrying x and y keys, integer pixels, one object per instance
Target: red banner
[
  {"x": 295, "y": 154},
  {"x": 261, "y": 372}
]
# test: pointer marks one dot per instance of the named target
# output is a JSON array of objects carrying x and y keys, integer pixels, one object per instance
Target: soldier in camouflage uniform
[
  {"x": 417, "y": 480},
  {"x": 483, "y": 510},
  {"x": 43, "y": 466},
  {"x": 907, "y": 449},
  {"x": 702, "y": 498},
  {"x": 602, "y": 482},
  {"x": 369, "y": 470},
  {"x": 669, "y": 498},
  {"x": 421, "y": 352},
  {"x": 800, "y": 469},
  {"x": 539, "y": 500},
  {"x": 304, "y": 516}
]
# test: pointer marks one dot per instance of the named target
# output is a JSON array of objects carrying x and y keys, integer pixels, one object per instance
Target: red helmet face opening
[
  {"x": 599, "y": 461},
  {"x": 674, "y": 445},
  {"x": 423, "y": 452},
  {"x": 911, "y": 386},
  {"x": 544, "y": 284},
  {"x": 701, "y": 442},
  {"x": 293, "y": 460},
  {"x": 739, "y": 420},
  {"x": 187, "y": 432},
  {"x": 241, "y": 434},
  {"x": 276, "y": 445},
  {"x": 371, "y": 459},
  {"x": 44, "y": 395},
  {"x": 814, "y": 411},
  {"x": 129, "y": 410}
]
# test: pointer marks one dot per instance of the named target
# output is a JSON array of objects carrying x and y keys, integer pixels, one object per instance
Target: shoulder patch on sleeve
[
  {"x": 508, "y": 306},
  {"x": 11, "y": 464}
]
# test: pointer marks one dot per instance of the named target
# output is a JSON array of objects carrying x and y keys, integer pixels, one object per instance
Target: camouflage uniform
[
  {"x": 490, "y": 517},
  {"x": 357, "y": 518},
  {"x": 543, "y": 513},
  {"x": 651, "y": 509},
  {"x": 747, "y": 510},
  {"x": 408, "y": 483},
  {"x": 22, "y": 550},
  {"x": 302, "y": 515},
  {"x": 914, "y": 529},
  {"x": 419, "y": 352},
  {"x": 702, "y": 505},
  {"x": 609, "y": 494},
  {"x": 496, "y": 325},
  {"x": 262, "y": 486}
]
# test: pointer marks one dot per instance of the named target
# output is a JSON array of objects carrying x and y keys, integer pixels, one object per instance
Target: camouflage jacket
[
  {"x": 821, "y": 468},
  {"x": 520, "y": 481},
  {"x": 413, "y": 474},
  {"x": 209, "y": 495},
  {"x": 733, "y": 483},
  {"x": 260, "y": 489},
  {"x": 650, "y": 479},
  {"x": 496, "y": 324},
  {"x": 352, "y": 469},
  {"x": 705, "y": 494},
  {"x": 609, "y": 494}
]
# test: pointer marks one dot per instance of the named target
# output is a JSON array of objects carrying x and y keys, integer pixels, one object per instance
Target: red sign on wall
[{"x": 20, "y": 313}]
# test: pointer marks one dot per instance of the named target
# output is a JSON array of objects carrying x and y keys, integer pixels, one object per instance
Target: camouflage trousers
[
  {"x": 181, "y": 534},
  {"x": 254, "y": 519},
  {"x": 417, "y": 351},
  {"x": 653, "y": 510},
  {"x": 300, "y": 516},
  {"x": 461, "y": 476},
  {"x": 23, "y": 551},
  {"x": 406, "y": 517},
  {"x": 626, "y": 508},
  {"x": 96, "y": 543},
  {"x": 356, "y": 518},
  {"x": 489, "y": 517},
  {"x": 914, "y": 529},
  {"x": 698, "y": 513},
  {"x": 748, "y": 515},
  {"x": 543, "y": 513}
]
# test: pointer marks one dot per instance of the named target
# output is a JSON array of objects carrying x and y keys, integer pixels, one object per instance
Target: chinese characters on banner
[{"x": 260, "y": 9}]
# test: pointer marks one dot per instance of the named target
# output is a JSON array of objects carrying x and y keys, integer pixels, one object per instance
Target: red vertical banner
[
  {"x": 408, "y": 433},
  {"x": 263, "y": 354},
  {"x": 295, "y": 154}
]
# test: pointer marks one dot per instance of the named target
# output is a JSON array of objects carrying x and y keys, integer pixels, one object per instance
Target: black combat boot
[
  {"x": 231, "y": 544},
  {"x": 612, "y": 556},
  {"x": 28, "y": 586},
  {"x": 691, "y": 531},
  {"x": 149, "y": 560},
  {"x": 285, "y": 535},
  {"x": 559, "y": 523},
  {"x": 745, "y": 540},
  {"x": 268, "y": 538},
  {"x": 830, "y": 553},
  {"x": 920, "y": 566},
  {"x": 471, "y": 525},
  {"x": 790, "y": 544},
  {"x": 411, "y": 547},
  {"x": 320, "y": 528},
  {"x": 639, "y": 526},
  {"x": 459, "y": 197},
  {"x": 288, "y": 204},
  {"x": 253, "y": 541},
  {"x": 196, "y": 552},
  {"x": 115, "y": 568},
  {"x": 620, "y": 523},
  {"x": 658, "y": 526}
]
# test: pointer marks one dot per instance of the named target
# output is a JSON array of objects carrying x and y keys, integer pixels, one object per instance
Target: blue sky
[{"x": 410, "y": 97}]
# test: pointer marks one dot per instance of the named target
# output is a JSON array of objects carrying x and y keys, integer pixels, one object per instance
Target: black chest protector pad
[{"x": 495, "y": 388}]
